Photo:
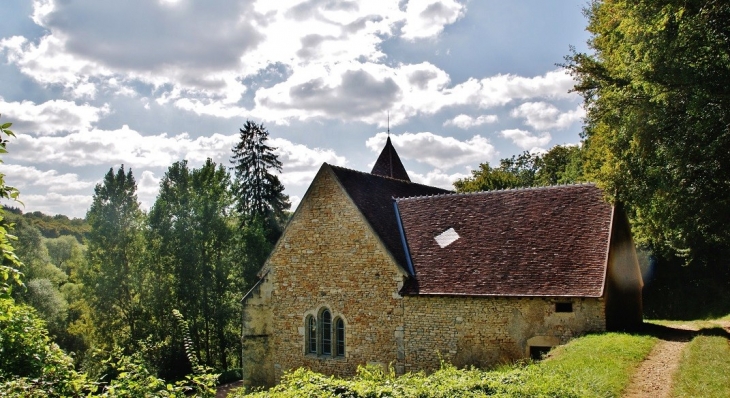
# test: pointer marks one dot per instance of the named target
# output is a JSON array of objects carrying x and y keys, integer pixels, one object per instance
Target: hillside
[{"x": 51, "y": 226}]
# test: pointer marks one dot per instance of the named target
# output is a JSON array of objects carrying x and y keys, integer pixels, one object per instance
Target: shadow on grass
[{"x": 670, "y": 333}]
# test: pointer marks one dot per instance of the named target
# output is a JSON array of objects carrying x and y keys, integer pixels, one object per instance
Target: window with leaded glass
[
  {"x": 340, "y": 337},
  {"x": 326, "y": 333},
  {"x": 311, "y": 335}
]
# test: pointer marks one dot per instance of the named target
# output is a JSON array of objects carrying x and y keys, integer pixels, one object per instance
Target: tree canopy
[
  {"x": 657, "y": 130},
  {"x": 560, "y": 165},
  {"x": 259, "y": 194},
  {"x": 115, "y": 248}
]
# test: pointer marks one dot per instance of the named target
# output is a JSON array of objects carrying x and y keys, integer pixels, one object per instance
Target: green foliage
[
  {"x": 30, "y": 364},
  {"x": 704, "y": 369},
  {"x": 65, "y": 253},
  {"x": 52, "y": 226},
  {"x": 259, "y": 193},
  {"x": 560, "y": 165},
  {"x": 9, "y": 262},
  {"x": 190, "y": 242},
  {"x": 230, "y": 375},
  {"x": 658, "y": 111},
  {"x": 135, "y": 380},
  {"x": 590, "y": 366},
  {"x": 253, "y": 248},
  {"x": 115, "y": 273},
  {"x": 32, "y": 251},
  {"x": 52, "y": 307}
]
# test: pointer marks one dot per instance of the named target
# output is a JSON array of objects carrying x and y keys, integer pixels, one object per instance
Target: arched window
[
  {"x": 339, "y": 337},
  {"x": 326, "y": 333},
  {"x": 311, "y": 325}
]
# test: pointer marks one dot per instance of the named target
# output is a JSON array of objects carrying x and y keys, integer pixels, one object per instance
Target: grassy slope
[
  {"x": 704, "y": 369},
  {"x": 590, "y": 366}
]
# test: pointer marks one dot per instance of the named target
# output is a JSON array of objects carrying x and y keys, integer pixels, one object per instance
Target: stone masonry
[
  {"x": 483, "y": 331},
  {"x": 329, "y": 257}
]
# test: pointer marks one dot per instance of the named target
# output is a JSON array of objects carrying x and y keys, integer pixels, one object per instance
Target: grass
[
  {"x": 598, "y": 365},
  {"x": 591, "y": 366},
  {"x": 704, "y": 368}
]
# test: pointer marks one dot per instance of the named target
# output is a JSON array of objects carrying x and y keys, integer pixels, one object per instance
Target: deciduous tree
[
  {"x": 657, "y": 129},
  {"x": 114, "y": 275}
]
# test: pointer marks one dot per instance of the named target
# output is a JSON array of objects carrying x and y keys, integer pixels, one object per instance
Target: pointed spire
[{"x": 389, "y": 164}]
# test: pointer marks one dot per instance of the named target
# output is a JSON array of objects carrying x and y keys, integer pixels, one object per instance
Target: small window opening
[
  {"x": 538, "y": 352},
  {"x": 326, "y": 333},
  {"x": 564, "y": 307},
  {"x": 311, "y": 335},
  {"x": 340, "y": 337}
]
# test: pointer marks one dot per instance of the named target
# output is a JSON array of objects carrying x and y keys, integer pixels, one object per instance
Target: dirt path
[
  {"x": 223, "y": 390},
  {"x": 653, "y": 378}
]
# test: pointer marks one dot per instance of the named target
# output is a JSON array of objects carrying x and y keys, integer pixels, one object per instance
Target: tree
[
  {"x": 560, "y": 165},
  {"x": 657, "y": 130},
  {"x": 258, "y": 193},
  {"x": 114, "y": 272},
  {"x": 190, "y": 236},
  {"x": 9, "y": 263}
]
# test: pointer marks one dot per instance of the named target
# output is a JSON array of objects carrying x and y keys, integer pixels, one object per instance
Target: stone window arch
[
  {"x": 325, "y": 332},
  {"x": 339, "y": 332},
  {"x": 310, "y": 326}
]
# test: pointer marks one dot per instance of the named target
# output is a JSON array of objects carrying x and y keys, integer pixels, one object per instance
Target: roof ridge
[
  {"x": 496, "y": 191},
  {"x": 382, "y": 176}
]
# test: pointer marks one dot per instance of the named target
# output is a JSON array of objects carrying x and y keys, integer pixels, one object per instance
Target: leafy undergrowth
[
  {"x": 704, "y": 369},
  {"x": 590, "y": 366}
]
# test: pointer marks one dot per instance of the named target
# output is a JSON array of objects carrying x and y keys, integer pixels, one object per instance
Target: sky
[{"x": 90, "y": 85}]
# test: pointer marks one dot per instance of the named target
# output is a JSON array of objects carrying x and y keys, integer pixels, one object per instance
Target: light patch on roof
[{"x": 446, "y": 238}]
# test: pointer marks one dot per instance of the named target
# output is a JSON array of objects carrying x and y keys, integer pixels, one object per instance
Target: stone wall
[
  {"x": 329, "y": 258},
  {"x": 484, "y": 331}
]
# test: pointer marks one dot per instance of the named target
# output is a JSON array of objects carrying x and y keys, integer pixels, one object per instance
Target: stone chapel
[{"x": 373, "y": 268}]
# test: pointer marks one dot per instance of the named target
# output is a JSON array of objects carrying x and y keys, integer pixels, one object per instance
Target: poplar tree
[{"x": 114, "y": 276}]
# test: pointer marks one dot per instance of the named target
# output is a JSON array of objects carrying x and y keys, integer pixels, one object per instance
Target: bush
[
  {"x": 230, "y": 375},
  {"x": 30, "y": 363}
]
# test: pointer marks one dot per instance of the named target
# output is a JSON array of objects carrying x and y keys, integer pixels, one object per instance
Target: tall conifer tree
[{"x": 259, "y": 194}]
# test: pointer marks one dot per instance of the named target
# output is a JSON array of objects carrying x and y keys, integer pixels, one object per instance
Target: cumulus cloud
[
  {"x": 542, "y": 115},
  {"x": 51, "y": 117},
  {"x": 141, "y": 35},
  {"x": 349, "y": 92},
  {"x": 502, "y": 89},
  {"x": 300, "y": 163},
  {"x": 527, "y": 140},
  {"x": 333, "y": 49},
  {"x": 124, "y": 145},
  {"x": 427, "y": 18},
  {"x": 465, "y": 121},
  {"x": 148, "y": 186},
  {"x": 57, "y": 203},
  {"x": 435, "y": 150},
  {"x": 437, "y": 178},
  {"x": 23, "y": 177}
]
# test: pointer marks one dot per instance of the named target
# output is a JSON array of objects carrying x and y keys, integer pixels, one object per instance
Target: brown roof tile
[
  {"x": 550, "y": 241},
  {"x": 373, "y": 195},
  {"x": 389, "y": 164}
]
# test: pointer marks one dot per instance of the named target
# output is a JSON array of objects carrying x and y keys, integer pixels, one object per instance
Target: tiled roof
[
  {"x": 550, "y": 241},
  {"x": 373, "y": 195},
  {"x": 389, "y": 164}
]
